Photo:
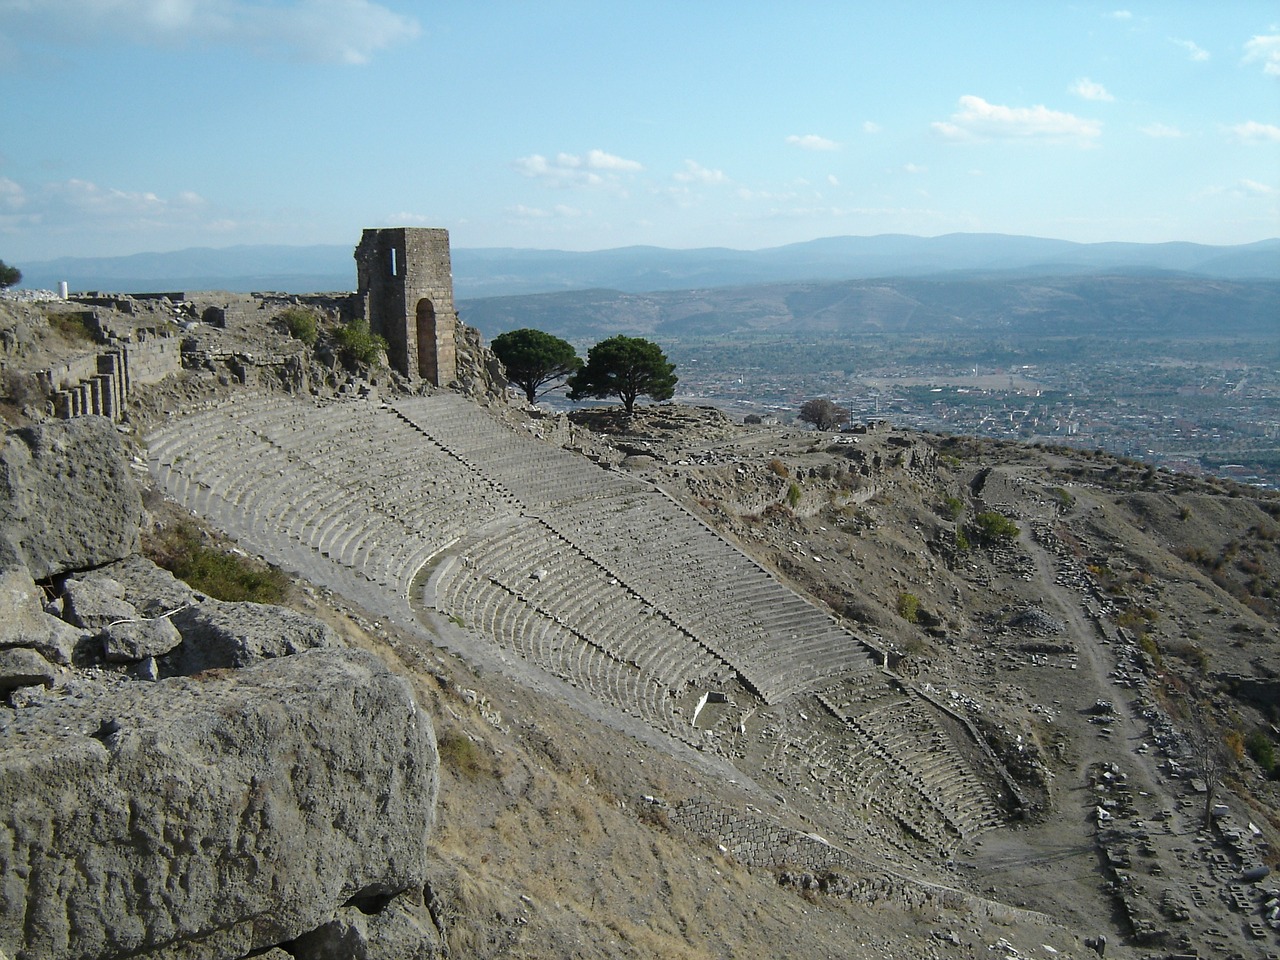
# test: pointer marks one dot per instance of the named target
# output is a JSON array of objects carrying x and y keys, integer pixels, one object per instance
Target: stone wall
[
  {"x": 100, "y": 384},
  {"x": 405, "y": 283}
]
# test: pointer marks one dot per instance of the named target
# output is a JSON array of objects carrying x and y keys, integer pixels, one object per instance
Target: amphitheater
[{"x": 515, "y": 550}]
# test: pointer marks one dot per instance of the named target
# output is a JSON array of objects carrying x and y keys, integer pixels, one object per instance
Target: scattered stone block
[
  {"x": 21, "y": 667},
  {"x": 135, "y": 640}
]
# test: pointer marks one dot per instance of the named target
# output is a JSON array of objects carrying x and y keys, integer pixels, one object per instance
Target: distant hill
[
  {"x": 485, "y": 272},
  {"x": 1143, "y": 306}
]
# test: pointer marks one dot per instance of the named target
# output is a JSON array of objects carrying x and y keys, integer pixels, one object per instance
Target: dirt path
[{"x": 1054, "y": 866}]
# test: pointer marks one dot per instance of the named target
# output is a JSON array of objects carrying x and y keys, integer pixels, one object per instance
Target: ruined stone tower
[{"x": 405, "y": 280}]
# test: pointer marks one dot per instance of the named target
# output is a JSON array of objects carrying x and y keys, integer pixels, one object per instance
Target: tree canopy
[
  {"x": 625, "y": 367},
  {"x": 9, "y": 275},
  {"x": 535, "y": 359},
  {"x": 822, "y": 413}
]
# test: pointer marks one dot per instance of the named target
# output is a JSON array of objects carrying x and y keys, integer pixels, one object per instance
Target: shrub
[
  {"x": 358, "y": 344},
  {"x": 459, "y": 753},
  {"x": 220, "y": 574},
  {"x": 793, "y": 495},
  {"x": 952, "y": 507},
  {"x": 1262, "y": 751},
  {"x": 909, "y": 607},
  {"x": 778, "y": 468},
  {"x": 1148, "y": 645},
  {"x": 993, "y": 527},
  {"x": 301, "y": 323},
  {"x": 1235, "y": 744}
]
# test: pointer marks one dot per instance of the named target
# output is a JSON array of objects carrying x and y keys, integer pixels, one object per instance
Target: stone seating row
[
  {"x": 536, "y": 473},
  {"x": 909, "y": 738},
  {"x": 781, "y": 643},
  {"x": 382, "y": 530},
  {"x": 530, "y": 561},
  {"x": 606, "y": 617},
  {"x": 745, "y": 626},
  {"x": 859, "y": 782},
  {"x": 482, "y": 604}
]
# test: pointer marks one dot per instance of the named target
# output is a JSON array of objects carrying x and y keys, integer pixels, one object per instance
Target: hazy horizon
[{"x": 672, "y": 247}]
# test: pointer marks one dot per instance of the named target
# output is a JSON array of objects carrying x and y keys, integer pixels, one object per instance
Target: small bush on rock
[
  {"x": 358, "y": 344},
  {"x": 993, "y": 527},
  {"x": 909, "y": 607},
  {"x": 302, "y": 324}
]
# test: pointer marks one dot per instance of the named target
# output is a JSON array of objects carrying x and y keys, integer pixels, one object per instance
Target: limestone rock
[
  {"x": 93, "y": 604},
  {"x": 401, "y": 929},
  {"x": 152, "y": 590},
  {"x": 67, "y": 499},
  {"x": 23, "y": 622},
  {"x": 20, "y": 667},
  {"x": 217, "y": 635},
  {"x": 210, "y": 817},
  {"x": 139, "y": 639}
]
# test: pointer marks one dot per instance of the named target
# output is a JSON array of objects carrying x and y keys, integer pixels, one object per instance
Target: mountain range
[
  {"x": 1144, "y": 306},
  {"x": 493, "y": 272}
]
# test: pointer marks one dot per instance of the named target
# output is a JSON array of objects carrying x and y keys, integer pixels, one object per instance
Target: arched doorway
[{"x": 427, "y": 340}]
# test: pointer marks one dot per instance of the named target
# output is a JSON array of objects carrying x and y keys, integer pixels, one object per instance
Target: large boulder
[
  {"x": 218, "y": 634},
  {"x": 67, "y": 500},
  {"x": 210, "y": 816}
]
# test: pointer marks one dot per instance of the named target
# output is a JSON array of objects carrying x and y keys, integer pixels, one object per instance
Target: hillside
[
  {"x": 489, "y": 272},
  {"x": 1138, "y": 307},
  {"x": 705, "y": 689}
]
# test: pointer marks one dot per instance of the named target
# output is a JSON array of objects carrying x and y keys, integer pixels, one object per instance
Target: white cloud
[
  {"x": 1161, "y": 131},
  {"x": 811, "y": 141},
  {"x": 978, "y": 120},
  {"x": 1194, "y": 50},
  {"x": 597, "y": 169},
  {"x": 1120, "y": 15},
  {"x": 326, "y": 31},
  {"x": 88, "y": 199},
  {"x": 913, "y": 168},
  {"x": 1258, "y": 189},
  {"x": 12, "y": 196},
  {"x": 833, "y": 180},
  {"x": 1267, "y": 49},
  {"x": 695, "y": 172},
  {"x": 1086, "y": 88},
  {"x": 81, "y": 206},
  {"x": 1253, "y": 132},
  {"x": 870, "y": 126},
  {"x": 599, "y": 160}
]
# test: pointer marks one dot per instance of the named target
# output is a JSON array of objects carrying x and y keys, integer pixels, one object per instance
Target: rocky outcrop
[
  {"x": 275, "y": 786},
  {"x": 67, "y": 501},
  {"x": 217, "y": 635},
  {"x": 210, "y": 816}
]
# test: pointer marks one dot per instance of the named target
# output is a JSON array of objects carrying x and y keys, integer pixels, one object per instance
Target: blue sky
[{"x": 150, "y": 125}]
